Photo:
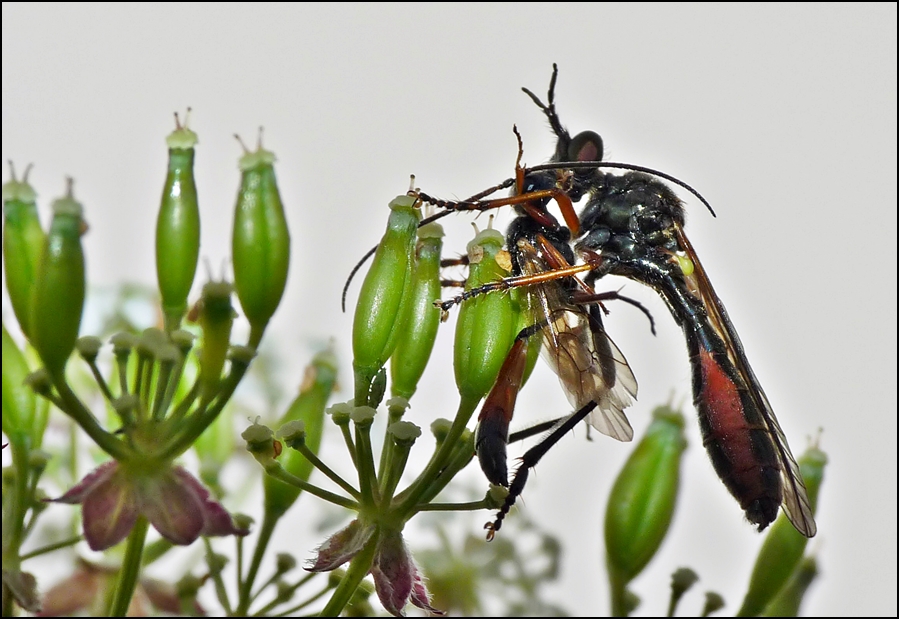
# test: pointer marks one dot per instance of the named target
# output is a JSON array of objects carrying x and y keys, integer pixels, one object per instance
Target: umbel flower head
[
  {"x": 397, "y": 579},
  {"x": 174, "y": 501}
]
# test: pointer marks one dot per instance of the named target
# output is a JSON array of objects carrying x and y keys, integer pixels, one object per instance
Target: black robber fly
[
  {"x": 566, "y": 321},
  {"x": 632, "y": 225},
  {"x": 565, "y": 313}
]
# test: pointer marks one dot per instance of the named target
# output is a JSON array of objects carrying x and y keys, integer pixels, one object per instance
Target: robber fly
[
  {"x": 632, "y": 226},
  {"x": 566, "y": 318}
]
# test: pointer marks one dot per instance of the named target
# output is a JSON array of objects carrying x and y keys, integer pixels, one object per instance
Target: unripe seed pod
[
  {"x": 215, "y": 317},
  {"x": 59, "y": 287},
  {"x": 487, "y": 323},
  {"x": 385, "y": 294},
  {"x": 178, "y": 227},
  {"x": 783, "y": 547},
  {"x": 419, "y": 329},
  {"x": 309, "y": 408},
  {"x": 18, "y": 398},
  {"x": 260, "y": 242},
  {"x": 23, "y": 243},
  {"x": 644, "y": 496}
]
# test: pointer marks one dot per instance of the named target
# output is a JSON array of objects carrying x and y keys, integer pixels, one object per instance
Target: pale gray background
[{"x": 784, "y": 116}]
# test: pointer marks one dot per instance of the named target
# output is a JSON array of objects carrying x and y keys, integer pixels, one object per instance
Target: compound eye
[{"x": 585, "y": 146}]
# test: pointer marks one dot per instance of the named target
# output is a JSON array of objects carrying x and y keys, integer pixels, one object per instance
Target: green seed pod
[
  {"x": 18, "y": 398},
  {"x": 782, "y": 549},
  {"x": 487, "y": 323},
  {"x": 261, "y": 241},
  {"x": 787, "y": 602},
  {"x": 644, "y": 496},
  {"x": 385, "y": 294},
  {"x": 23, "y": 243},
  {"x": 216, "y": 317},
  {"x": 419, "y": 328},
  {"x": 178, "y": 227},
  {"x": 59, "y": 287},
  {"x": 308, "y": 407}
]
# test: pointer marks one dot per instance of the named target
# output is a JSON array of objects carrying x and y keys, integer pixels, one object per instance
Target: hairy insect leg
[
  {"x": 530, "y": 459},
  {"x": 515, "y": 282}
]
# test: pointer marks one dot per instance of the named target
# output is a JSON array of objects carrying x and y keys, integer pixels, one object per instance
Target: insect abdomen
[{"x": 736, "y": 438}]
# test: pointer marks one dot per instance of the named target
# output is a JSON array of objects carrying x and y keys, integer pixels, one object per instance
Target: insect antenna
[
  {"x": 549, "y": 108},
  {"x": 587, "y": 165}
]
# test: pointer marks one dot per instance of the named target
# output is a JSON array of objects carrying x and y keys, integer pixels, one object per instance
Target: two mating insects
[{"x": 632, "y": 226}]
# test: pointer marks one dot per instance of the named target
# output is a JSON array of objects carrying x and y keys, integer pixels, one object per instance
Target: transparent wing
[
  {"x": 587, "y": 362},
  {"x": 795, "y": 497}
]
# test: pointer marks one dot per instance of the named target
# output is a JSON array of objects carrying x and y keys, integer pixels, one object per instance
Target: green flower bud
[
  {"x": 340, "y": 413},
  {"x": 59, "y": 287},
  {"x": 284, "y": 562},
  {"x": 309, "y": 408},
  {"x": 487, "y": 324},
  {"x": 440, "y": 428},
  {"x": 18, "y": 398},
  {"x": 88, "y": 347},
  {"x": 385, "y": 295},
  {"x": 419, "y": 327},
  {"x": 260, "y": 441},
  {"x": 216, "y": 317},
  {"x": 23, "y": 243},
  {"x": 682, "y": 580},
  {"x": 713, "y": 603},
  {"x": 178, "y": 227},
  {"x": 782, "y": 549},
  {"x": 261, "y": 241},
  {"x": 644, "y": 496}
]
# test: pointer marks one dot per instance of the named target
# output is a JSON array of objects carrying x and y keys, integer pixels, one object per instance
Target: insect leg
[{"x": 530, "y": 459}]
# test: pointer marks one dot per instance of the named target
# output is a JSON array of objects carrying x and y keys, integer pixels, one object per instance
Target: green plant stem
[
  {"x": 394, "y": 414},
  {"x": 268, "y": 608},
  {"x": 216, "y": 575},
  {"x": 199, "y": 422},
  {"x": 471, "y": 506},
  {"x": 358, "y": 569},
  {"x": 413, "y": 495},
  {"x": 51, "y": 547},
  {"x": 269, "y": 521},
  {"x": 101, "y": 382},
  {"x": 128, "y": 575},
  {"x": 295, "y": 609},
  {"x": 457, "y": 461},
  {"x": 14, "y": 515},
  {"x": 75, "y": 409},
  {"x": 277, "y": 471},
  {"x": 618, "y": 589},
  {"x": 368, "y": 480},
  {"x": 328, "y": 472}
]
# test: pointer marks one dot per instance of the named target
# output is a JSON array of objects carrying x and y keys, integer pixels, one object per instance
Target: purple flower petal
[
  {"x": 216, "y": 519},
  {"x": 420, "y": 596},
  {"x": 172, "y": 507},
  {"x": 80, "y": 490},
  {"x": 341, "y": 547},
  {"x": 108, "y": 511},
  {"x": 394, "y": 573}
]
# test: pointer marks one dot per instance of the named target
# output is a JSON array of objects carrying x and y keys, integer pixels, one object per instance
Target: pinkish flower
[
  {"x": 175, "y": 503},
  {"x": 397, "y": 578}
]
